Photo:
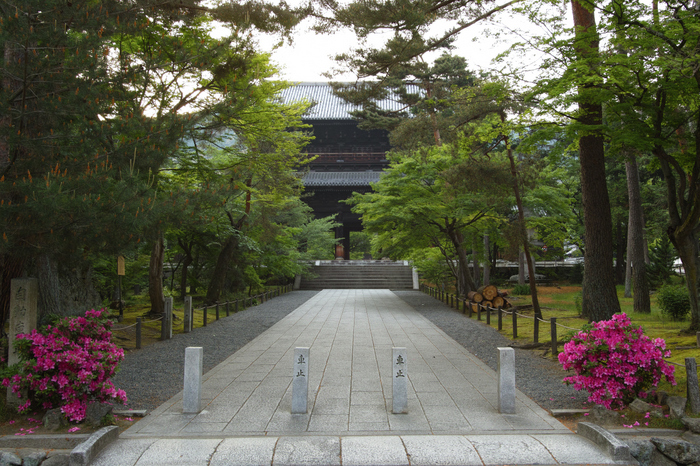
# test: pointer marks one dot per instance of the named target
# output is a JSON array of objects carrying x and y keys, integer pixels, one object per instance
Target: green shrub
[
  {"x": 674, "y": 301},
  {"x": 521, "y": 290}
]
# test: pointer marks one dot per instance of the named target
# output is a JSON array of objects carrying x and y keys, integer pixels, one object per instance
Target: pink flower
[
  {"x": 615, "y": 362},
  {"x": 74, "y": 429}
]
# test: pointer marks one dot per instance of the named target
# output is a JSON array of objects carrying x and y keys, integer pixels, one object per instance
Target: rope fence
[
  {"x": 189, "y": 312},
  {"x": 468, "y": 307}
]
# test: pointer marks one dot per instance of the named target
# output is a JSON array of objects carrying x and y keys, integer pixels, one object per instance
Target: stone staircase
[{"x": 358, "y": 275}]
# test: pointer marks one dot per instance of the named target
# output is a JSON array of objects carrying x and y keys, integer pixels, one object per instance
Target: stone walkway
[{"x": 452, "y": 400}]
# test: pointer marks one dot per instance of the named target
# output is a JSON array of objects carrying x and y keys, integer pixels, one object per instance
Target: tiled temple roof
[
  {"x": 328, "y": 105},
  {"x": 319, "y": 179}
]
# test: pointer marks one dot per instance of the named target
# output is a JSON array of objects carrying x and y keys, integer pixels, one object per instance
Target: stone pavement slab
[
  {"x": 486, "y": 449},
  {"x": 452, "y": 400},
  {"x": 350, "y": 334}
]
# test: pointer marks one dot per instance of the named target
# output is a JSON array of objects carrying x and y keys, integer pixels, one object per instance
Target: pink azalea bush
[
  {"x": 615, "y": 362},
  {"x": 68, "y": 365}
]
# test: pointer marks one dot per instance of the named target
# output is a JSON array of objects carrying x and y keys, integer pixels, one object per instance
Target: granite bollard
[
  {"x": 399, "y": 391},
  {"x": 506, "y": 380},
  {"x": 168, "y": 319},
  {"x": 300, "y": 382},
  {"x": 192, "y": 393}
]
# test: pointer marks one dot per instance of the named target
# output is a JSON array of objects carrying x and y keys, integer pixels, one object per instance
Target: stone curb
[
  {"x": 611, "y": 445},
  {"x": 84, "y": 453},
  {"x": 47, "y": 441}
]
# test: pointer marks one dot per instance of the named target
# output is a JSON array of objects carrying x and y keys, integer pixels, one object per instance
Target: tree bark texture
[
  {"x": 635, "y": 253},
  {"x": 49, "y": 286},
  {"x": 620, "y": 254},
  {"x": 599, "y": 294},
  {"x": 221, "y": 270},
  {"x": 188, "y": 260},
  {"x": 155, "y": 276},
  {"x": 458, "y": 243},
  {"x": 628, "y": 263}
]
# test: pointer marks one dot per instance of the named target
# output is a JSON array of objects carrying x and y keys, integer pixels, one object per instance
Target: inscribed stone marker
[
  {"x": 23, "y": 314},
  {"x": 23, "y": 319},
  {"x": 192, "y": 393},
  {"x": 506, "y": 380},
  {"x": 300, "y": 382},
  {"x": 399, "y": 385}
]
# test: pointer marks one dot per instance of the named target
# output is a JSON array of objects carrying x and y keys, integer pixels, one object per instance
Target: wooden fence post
[
  {"x": 515, "y": 325},
  {"x": 217, "y": 311},
  {"x": 553, "y": 332},
  {"x": 478, "y": 311},
  {"x": 500, "y": 318},
  {"x": 205, "y": 316},
  {"x": 488, "y": 315},
  {"x": 537, "y": 330},
  {"x": 228, "y": 311}
]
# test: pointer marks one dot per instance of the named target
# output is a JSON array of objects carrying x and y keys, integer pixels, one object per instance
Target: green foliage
[
  {"x": 521, "y": 290},
  {"x": 674, "y": 301},
  {"x": 661, "y": 258},
  {"x": 431, "y": 266}
]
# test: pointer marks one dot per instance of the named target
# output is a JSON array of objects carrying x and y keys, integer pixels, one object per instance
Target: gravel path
[
  {"x": 154, "y": 374},
  {"x": 537, "y": 377}
]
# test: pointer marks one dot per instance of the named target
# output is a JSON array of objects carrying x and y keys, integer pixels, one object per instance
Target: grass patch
[{"x": 563, "y": 303}]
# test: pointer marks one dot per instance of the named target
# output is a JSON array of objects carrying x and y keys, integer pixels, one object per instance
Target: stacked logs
[{"x": 490, "y": 296}]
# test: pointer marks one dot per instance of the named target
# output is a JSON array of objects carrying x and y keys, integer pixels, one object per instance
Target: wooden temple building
[{"x": 347, "y": 160}]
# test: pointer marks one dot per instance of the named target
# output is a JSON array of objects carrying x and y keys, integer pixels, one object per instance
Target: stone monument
[
  {"x": 300, "y": 382},
  {"x": 23, "y": 319},
  {"x": 399, "y": 385}
]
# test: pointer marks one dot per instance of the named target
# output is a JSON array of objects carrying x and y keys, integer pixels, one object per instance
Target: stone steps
[{"x": 345, "y": 275}]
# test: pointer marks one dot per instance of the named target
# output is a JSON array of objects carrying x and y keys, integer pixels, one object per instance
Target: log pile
[{"x": 490, "y": 296}]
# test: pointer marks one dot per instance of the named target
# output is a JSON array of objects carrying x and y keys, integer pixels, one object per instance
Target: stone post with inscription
[
  {"x": 300, "y": 382},
  {"x": 192, "y": 392},
  {"x": 23, "y": 319},
  {"x": 23, "y": 313},
  {"x": 399, "y": 385},
  {"x": 506, "y": 380}
]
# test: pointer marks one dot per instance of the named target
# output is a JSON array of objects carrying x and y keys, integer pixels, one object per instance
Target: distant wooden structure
[{"x": 347, "y": 160}]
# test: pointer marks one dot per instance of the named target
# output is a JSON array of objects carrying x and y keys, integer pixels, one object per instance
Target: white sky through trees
[{"x": 311, "y": 54}]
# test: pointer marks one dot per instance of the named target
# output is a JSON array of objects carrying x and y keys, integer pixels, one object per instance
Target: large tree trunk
[
  {"x": 187, "y": 249},
  {"x": 599, "y": 294},
  {"x": 221, "y": 270},
  {"x": 155, "y": 277},
  {"x": 458, "y": 242},
  {"x": 621, "y": 247},
  {"x": 687, "y": 247},
  {"x": 49, "y": 286},
  {"x": 635, "y": 254},
  {"x": 475, "y": 265},
  {"x": 522, "y": 231},
  {"x": 521, "y": 267},
  {"x": 628, "y": 263}
]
